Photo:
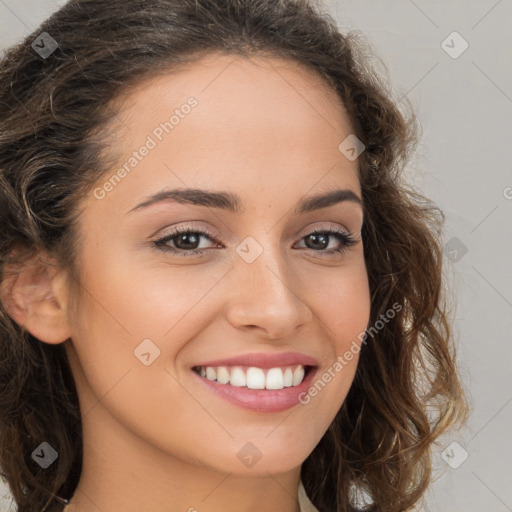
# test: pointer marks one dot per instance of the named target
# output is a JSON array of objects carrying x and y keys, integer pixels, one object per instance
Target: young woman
[{"x": 217, "y": 291}]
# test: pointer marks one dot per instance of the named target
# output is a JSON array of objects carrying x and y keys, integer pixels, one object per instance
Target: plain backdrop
[{"x": 453, "y": 60}]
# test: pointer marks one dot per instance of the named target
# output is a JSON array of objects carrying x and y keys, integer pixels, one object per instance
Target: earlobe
[{"x": 35, "y": 297}]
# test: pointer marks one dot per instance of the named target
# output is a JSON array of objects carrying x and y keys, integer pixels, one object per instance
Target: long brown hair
[{"x": 53, "y": 115}]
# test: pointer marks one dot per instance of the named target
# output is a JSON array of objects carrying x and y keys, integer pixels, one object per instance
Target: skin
[{"x": 154, "y": 437}]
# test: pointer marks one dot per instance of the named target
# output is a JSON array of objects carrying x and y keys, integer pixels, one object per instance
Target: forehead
[
  {"x": 254, "y": 121},
  {"x": 216, "y": 74},
  {"x": 234, "y": 91}
]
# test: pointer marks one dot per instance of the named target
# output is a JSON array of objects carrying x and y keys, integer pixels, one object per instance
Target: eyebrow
[{"x": 233, "y": 203}]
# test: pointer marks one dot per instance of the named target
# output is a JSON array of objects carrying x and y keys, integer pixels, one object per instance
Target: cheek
[
  {"x": 347, "y": 315},
  {"x": 111, "y": 323},
  {"x": 145, "y": 301},
  {"x": 343, "y": 305},
  {"x": 127, "y": 311},
  {"x": 343, "y": 308}
]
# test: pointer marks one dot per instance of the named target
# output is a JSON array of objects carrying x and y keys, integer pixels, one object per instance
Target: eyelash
[{"x": 347, "y": 240}]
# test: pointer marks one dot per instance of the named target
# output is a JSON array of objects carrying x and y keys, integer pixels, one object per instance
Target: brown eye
[
  {"x": 183, "y": 242},
  {"x": 314, "y": 241},
  {"x": 187, "y": 241},
  {"x": 319, "y": 240}
]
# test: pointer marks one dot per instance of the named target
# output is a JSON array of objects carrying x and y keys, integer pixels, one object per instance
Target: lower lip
[{"x": 260, "y": 400}]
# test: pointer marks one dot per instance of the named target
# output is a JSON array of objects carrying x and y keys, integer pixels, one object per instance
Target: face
[{"x": 255, "y": 270}]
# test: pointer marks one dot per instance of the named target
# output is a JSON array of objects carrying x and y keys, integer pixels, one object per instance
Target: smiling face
[{"x": 261, "y": 138}]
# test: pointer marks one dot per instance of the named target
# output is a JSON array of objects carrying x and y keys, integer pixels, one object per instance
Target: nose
[{"x": 266, "y": 296}]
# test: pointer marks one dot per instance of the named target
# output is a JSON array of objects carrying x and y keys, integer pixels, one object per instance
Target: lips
[
  {"x": 268, "y": 389},
  {"x": 263, "y": 360}
]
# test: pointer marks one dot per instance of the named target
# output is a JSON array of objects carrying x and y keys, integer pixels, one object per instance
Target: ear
[{"x": 35, "y": 297}]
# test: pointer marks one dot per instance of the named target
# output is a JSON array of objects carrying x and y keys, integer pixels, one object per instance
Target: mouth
[
  {"x": 263, "y": 390},
  {"x": 253, "y": 377}
]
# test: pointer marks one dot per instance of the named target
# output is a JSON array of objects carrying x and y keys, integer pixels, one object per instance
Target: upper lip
[{"x": 263, "y": 360}]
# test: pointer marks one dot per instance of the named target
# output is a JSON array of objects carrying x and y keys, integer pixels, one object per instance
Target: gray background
[{"x": 464, "y": 163}]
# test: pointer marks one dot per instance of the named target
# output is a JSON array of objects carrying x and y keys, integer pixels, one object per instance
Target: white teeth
[
  {"x": 275, "y": 379},
  {"x": 298, "y": 375},
  {"x": 288, "y": 378},
  {"x": 253, "y": 377},
  {"x": 211, "y": 373},
  {"x": 238, "y": 377},
  {"x": 222, "y": 375}
]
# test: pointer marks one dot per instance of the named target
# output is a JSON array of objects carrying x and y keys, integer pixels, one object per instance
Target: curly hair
[{"x": 54, "y": 114}]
